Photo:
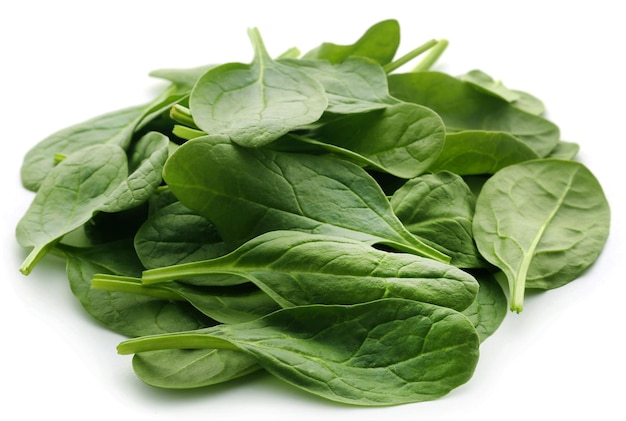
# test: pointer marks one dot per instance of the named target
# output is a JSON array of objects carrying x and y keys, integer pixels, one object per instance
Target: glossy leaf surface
[
  {"x": 282, "y": 191},
  {"x": 543, "y": 222},
  {"x": 255, "y": 104},
  {"x": 296, "y": 268},
  {"x": 415, "y": 351},
  {"x": 464, "y": 108}
]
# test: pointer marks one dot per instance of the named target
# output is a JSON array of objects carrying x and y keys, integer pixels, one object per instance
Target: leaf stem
[
  {"x": 182, "y": 115},
  {"x": 106, "y": 282},
  {"x": 410, "y": 56},
  {"x": 432, "y": 56},
  {"x": 185, "y": 340}
]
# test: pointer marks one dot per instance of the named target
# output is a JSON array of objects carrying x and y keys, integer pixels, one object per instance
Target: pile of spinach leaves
[{"x": 353, "y": 230}]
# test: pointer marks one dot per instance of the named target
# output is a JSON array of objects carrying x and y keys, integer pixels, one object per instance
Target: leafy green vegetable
[
  {"x": 128, "y": 314},
  {"x": 297, "y": 268},
  {"x": 473, "y": 152},
  {"x": 403, "y": 139},
  {"x": 281, "y": 191},
  {"x": 439, "y": 208},
  {"x": 543, "y": 222},
  {"x": 192, "y": 368},
  {"x": 379, "y": 43},
  {"x": 464, "y": 108},
  {"x": 91, "y": 180},
  {"x": 415, "y": 351},
  {"x": 352, "y": 230},
  {"x": 355, "y": 85},
  {"x": 256, "y": 104}
]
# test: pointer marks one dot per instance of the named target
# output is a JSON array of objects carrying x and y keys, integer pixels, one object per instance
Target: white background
[{"x": 64, "y": 62}]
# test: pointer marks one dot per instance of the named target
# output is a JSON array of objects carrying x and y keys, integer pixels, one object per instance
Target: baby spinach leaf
[
  {"x": 565, "y": 150},
  {"x": 296, "y": 268},
  {"x": 542, "y": 222},
  {"x": 127, "y": 314},
  {"x": 403, "y": 139},
  {"x": 485, "y": 83},
  {"x": 415, "y": 351},
  {"x": 282, "y": 191},
  {"x": 473, "y": 152},
  {"x": 146, "y": 160},
  {"x": 255, "y": 104},
  {"x": 464, "y": 108},
  {"x": 175, "y": 234},
  {"x": 192, "y": 368},
  {"x": 69, "y": 196},
  {"x": 183, "y": 79},
  {"x": 379, "y": 43},
  {"x": 439, "y": 209},
  {"x": 355, "y": 85},
  {"x": 489, "y": 309},
  {"x": 91, "y": 180},
  {"x": 115, "y": 127},
  {"x": 228, "y": 303}
]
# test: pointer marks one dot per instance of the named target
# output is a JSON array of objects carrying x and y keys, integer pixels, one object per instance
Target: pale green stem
[
  {"x": 432, "y": 56},
  {"x": 187, "y": 340},
  {"x": 410, "y": 56}
]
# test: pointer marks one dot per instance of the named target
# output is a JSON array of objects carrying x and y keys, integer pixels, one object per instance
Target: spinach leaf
[
  {"x": 439, "y": 208},
  {"x": 473, "y": 152},
  {"x": 522, "y": 100},
  {"x": 115, "y": 127},
  {"x": 403, "y": 139},
  {"x": 91, "y": 180},
  {"x": 542, "y": 222},
  {"x": 127, "y": 314},
  {"x": 489, "y": 309},
  {"x": 175, "y": 234},
  {"x": 565, "y": 150},
  {"x": 183, "y": 79},
  {"x": 415, "y": 351},
  {"x": 255, "y": 104},
  {"x": 464, "y": 108},
  {"x": 379, "y": 43},
  {"x": 192, "y": 368},
  {"x": 246, "y": 192},
  {"x": 296, "y": 268},
  {"x": 229, "y": 303},
  {"x": 355, "y": 85}
]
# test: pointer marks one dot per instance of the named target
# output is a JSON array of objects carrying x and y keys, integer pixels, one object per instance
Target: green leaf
[
  {"x": 565, "y": 150},
  {"x": 91, "y": 180},
  {"x": 192, "y": 368},
  {"x": 474, "y": 152},
  {"x": 255, "y": 104},
  {"x": 115, "y": 127},
  {"x": 385, "y": 352},
  {"x": 485, "y": 83},
  {"x": 355, "y": 85},
  {"x": 439, "y": 209},
  {"x": 183, "y": 79},
  {"x": 489, "y": 309},
  {"x": 174, "y": 234},
  {"x": 403, "y": 139},
  {"x": 227, "y": 303},
  {"x": 127, "y": 314},
  {"x": 542, "y": 222},
  {"x": 296, "y": 268},
  {"x": 281, "y": 191},
  {"x": 464, "y": 108},
  {"x": 379, "y": 43}
]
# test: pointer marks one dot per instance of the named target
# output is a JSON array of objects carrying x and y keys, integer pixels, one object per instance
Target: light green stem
[
  {"x": 410, "y": 56},
  {"x": 186, "y": 340},
  {"x": 132, "y": 286},
  {"x": 432, "y": 56}
]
